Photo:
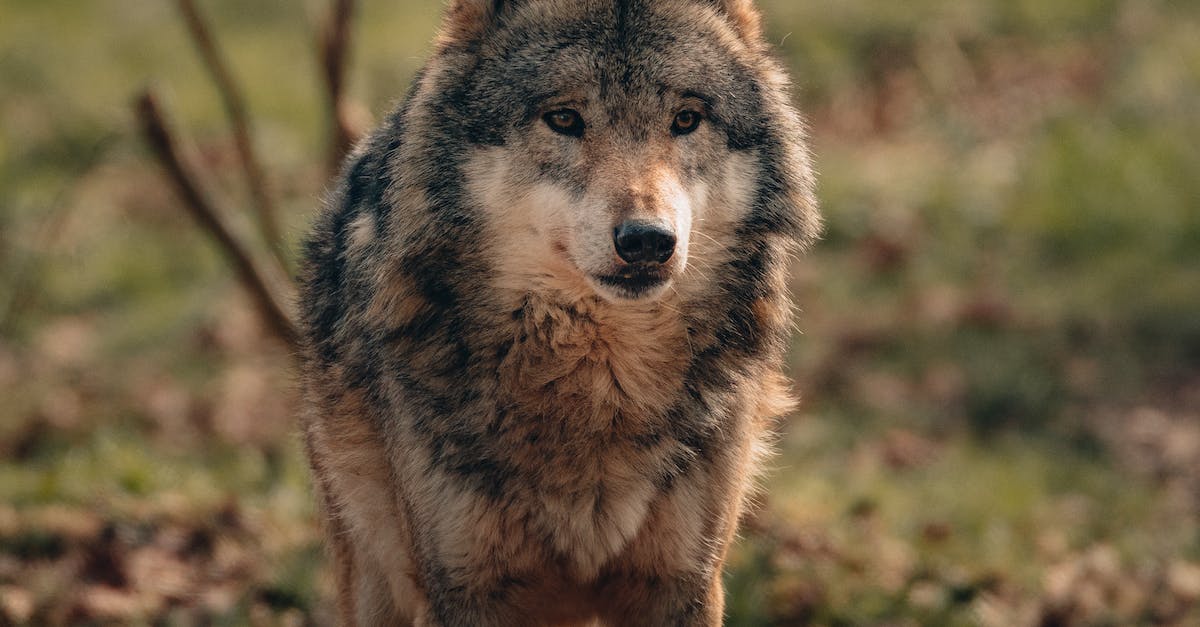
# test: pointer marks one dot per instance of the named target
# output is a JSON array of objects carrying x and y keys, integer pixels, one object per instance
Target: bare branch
[
  {"x": 335, "y": 43},
  {"x": 235, "y": 107},
  {"x": 158, "y": 134}
]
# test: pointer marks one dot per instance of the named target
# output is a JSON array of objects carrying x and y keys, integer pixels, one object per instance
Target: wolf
[{"x": 544, "y": 313}]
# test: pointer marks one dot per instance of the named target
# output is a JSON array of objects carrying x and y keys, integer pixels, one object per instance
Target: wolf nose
[{"x": 643, "y": 241}]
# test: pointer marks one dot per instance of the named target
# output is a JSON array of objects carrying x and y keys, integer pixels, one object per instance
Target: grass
[{"x": 1000, "y": 352}]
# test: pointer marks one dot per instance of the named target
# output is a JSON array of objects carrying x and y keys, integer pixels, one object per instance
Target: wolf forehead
[{"x": 627, "y": 60}]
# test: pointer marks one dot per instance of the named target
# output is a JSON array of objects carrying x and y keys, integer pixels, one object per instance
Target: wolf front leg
[
  {"x": 696, "y": 600},
  {"x": 671, "y": 573},
  {"x": 367, "y": 592},
  {"x": 451, "y": 608},
  {"x": 463, "y": 598}
]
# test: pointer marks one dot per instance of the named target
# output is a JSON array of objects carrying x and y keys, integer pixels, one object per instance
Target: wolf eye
[
  {"x": 686, "y": 121},
  {"x": 565, "y": 122}
]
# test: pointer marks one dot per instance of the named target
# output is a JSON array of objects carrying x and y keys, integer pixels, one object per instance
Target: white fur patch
[{"x": 531, "y": 226}]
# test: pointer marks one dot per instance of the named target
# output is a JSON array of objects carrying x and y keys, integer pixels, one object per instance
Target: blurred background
[{"x": 999, "y": 347}]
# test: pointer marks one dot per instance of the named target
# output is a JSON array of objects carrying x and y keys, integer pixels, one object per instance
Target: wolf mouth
[{"x": 635, "y": 280}]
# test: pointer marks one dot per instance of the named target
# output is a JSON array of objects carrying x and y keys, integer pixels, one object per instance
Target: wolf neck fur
[{"x": 603, "y": 365}]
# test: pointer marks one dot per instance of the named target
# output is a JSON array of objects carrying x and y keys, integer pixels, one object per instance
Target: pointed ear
[
  {"x": 745, "y": 18},
  {"x": 466, "y": 21}
]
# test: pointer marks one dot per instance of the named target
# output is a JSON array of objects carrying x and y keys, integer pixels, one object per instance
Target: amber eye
[
  {"x": 565, "y": 121},
  {"x": 686, "y": 121}
]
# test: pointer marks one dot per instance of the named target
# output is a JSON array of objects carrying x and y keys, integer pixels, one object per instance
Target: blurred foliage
[{"x": 1000, "y": 348}]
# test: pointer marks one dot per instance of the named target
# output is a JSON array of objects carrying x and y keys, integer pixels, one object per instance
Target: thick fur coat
[{"x": 509, "y": 423}]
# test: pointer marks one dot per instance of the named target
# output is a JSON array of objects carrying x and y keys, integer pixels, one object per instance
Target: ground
[{"x": 998, "y": 339}]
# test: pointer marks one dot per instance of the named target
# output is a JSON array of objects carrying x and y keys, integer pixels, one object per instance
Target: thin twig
[
  {"x": 235, "y": 107},
  {"x": 158, "y": 134},
  {"x": 335, "y": 46}
]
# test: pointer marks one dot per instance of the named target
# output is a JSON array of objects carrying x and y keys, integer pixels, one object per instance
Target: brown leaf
[
  {"x": 66, "y": 342},
  {"x": 903, "y": 449}
]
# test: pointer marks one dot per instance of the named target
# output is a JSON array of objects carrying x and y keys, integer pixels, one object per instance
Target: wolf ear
[
  {"x": 745, "y": 17},
  {"x": 468, "y": 20}
]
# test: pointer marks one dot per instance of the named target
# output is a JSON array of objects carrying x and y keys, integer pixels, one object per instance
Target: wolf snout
[{"x": 644, "y": 242}]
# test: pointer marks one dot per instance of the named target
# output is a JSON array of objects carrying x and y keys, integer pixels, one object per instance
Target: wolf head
[{"x": 615, "y": 147}]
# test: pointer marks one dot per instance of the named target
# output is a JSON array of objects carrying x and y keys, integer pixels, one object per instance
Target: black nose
[{"x": 643, "y": 241}]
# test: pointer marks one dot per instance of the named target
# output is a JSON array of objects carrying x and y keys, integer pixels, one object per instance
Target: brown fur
[{"x": 495, "y": 436}]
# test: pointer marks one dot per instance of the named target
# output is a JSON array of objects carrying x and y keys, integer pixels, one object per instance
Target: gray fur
[{"x": 432, "y": 390}]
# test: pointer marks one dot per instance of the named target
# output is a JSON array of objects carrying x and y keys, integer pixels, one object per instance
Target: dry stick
[
  {"x": 335, "y": 45},
  {"x": 235, "y": 108},
  {"x": 166, "y": 148}
]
